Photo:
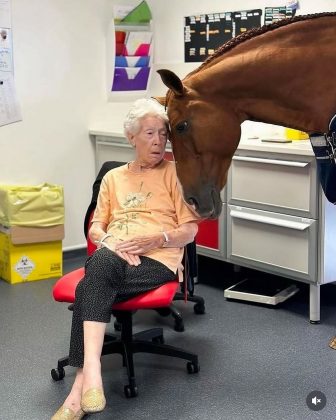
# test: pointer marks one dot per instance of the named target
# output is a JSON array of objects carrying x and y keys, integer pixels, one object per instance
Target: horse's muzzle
[{"x": 207, "y": 203}]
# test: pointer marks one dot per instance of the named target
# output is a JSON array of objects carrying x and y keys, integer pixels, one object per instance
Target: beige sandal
[
  {"x": 64, "y": 413},
  {"x": 332, "y": 343}
]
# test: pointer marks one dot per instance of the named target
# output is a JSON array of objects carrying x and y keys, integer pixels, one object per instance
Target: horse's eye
[{"x": 182, "y": 127}]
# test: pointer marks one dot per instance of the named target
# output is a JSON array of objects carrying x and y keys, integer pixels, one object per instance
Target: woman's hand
[
  {"x": 140, "y": 244},
  {"x": 111, "y": 244}
]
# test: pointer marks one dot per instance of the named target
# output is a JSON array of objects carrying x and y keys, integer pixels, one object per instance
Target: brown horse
[{"x": 283, "y": 74}]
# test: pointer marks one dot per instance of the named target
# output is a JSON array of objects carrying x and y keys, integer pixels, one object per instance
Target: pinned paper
[
  {"x": 9, "y": 107},
  {"x": 134, "y": 61},
  {"x": 6, "y": 56},
  {"x": 138, "y": 42},
  {"x": 130, "y": 78},
  {"x": 140, "y": 14},
  {"x": 292, "y": 4}
]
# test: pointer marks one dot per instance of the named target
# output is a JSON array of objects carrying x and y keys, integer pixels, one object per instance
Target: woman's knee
[
  {"x": 79, "y": 290},
  {"x": 103, "y": 259}
]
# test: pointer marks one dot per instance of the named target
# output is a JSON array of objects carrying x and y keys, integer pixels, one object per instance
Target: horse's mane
[{"x": 252, "y": 33}]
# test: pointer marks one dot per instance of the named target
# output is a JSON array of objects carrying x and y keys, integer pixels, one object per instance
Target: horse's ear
[
  {"x": 172, "y": 81},
  {"x": 160, "y": 99}
]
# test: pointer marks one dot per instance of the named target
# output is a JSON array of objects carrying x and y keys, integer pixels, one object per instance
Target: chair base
[
  {"x": 199, "y": 309},
  {"x": 149, "y": 341}
]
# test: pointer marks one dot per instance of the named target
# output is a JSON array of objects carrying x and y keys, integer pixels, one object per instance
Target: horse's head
[{"x": 204, "y": 137}]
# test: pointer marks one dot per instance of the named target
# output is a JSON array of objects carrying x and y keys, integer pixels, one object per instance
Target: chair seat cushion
[{"x": 64, "y": 291}]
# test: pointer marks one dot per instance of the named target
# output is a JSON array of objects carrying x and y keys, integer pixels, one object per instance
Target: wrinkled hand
[
  {"x": 131, "y": 259},
  {"x": 140, "y": 244}
]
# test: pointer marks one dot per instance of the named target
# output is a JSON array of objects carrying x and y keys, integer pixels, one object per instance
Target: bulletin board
[{"x": 203, "y": 34}]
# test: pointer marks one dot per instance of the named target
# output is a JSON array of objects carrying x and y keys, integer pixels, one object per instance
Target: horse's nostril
[{"x": 193, "y": 202}]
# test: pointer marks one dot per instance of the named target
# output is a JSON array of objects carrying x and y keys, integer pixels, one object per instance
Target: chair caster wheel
[
  {"x": 158, "y": 340},
  {"x": 199, "y": 309},
  {"x": 130, "y": 391},
  {"x": 117, "y": 326},
  {"x": 57, "y": 374},
  {"x": 192, "y": 367},
  {"x": 179, "y": 326}
]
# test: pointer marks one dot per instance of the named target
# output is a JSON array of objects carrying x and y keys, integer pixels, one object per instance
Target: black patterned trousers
[{"x": 109, "y": 279}]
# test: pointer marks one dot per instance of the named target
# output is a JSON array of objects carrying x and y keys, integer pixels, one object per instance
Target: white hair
[{"x": 142, "y": 108}]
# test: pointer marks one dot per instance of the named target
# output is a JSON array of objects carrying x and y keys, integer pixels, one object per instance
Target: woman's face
[{"x": 150, "y": 141}]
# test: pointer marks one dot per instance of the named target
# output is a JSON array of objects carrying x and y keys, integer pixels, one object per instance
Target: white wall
[{"x": 59, "y": 60}]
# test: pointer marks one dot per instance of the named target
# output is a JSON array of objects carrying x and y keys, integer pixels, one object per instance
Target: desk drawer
[
  {"x": 280, "y": 185},
  {"x": 285, "y": 245}
]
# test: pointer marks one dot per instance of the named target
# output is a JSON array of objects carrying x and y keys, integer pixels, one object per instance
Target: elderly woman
[{"x": 140, "y": 225}]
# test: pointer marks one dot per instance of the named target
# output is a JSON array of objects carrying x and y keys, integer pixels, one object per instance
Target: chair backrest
[{"x": 107, "y": 166}]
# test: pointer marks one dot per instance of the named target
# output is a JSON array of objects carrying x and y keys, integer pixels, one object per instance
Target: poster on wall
[
  {"x": 9, "y": 107},
  {"x": 203, "y": 34},
  {"x": 6, "y": 56},
  {"x": 274, "y": 14}
]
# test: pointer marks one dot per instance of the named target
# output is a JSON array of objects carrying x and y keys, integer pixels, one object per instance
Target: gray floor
[{"x": 256, "y": 362}]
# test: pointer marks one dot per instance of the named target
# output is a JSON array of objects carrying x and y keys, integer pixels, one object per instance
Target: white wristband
[
  {"x": 165, "y": 237},
  {"x": 107, "y": 235}
]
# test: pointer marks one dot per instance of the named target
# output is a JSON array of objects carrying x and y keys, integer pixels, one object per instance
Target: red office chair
[{"x": 149, "y": 341}]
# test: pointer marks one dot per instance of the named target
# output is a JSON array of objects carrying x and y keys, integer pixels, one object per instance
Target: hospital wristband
[
  {"x": 166, "y": 239},
  {"x": 102, "y": 239}
]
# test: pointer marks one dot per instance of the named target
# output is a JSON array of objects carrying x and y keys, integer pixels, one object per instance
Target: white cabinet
[{"x": 278, "y": 218}]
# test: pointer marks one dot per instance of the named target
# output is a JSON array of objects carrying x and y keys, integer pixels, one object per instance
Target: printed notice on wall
[
  {"x": 9, "y": 107},
  {"x": 203, "y": 34},
  {"x": 6, "y": 55},
  {"x": 5, "y": 14},
  {"x": 274, "y": 14}
]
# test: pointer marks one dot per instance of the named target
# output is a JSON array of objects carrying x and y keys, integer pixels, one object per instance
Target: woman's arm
[
  {"x": 97, "y": 231},
  {"x": 182, "y": 235}
]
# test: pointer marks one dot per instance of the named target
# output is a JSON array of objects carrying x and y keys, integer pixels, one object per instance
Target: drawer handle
[
  {"x": 270, "y": 220},
  {"x": 109, "y": 143},
  {"x": 125, "y": 145},
  {"x": 271, "y": 161}
]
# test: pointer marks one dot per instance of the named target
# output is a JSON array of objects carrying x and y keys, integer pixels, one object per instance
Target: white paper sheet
[
  {"x": 6, "y": 50},
  {"x": 5, "y": 14},
  {"x": 9, "y": 107}
]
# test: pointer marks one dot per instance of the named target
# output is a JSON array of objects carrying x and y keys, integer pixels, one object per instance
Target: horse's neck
[{"x": 277, "y": 81}]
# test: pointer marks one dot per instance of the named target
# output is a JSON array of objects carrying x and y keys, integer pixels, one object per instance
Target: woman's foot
[
  {"x": 93, "y": 399},
  {"x": 71, "y": 408},
  {"x": 64, "y": 413}
]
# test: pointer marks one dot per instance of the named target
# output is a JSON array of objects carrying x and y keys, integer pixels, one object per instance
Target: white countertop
[{"x": 296, "y": 147}]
